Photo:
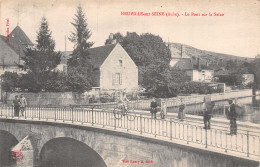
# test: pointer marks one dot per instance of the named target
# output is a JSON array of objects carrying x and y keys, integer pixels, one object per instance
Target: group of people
[
  {"x": 207, "y": 109},
  {"x": 20, "y": 104},
  {"x": 232, "y": 114},
  {"x": 163, "y": 112}
]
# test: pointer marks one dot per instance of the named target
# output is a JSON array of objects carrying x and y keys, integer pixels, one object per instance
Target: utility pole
[
  {"x": 181, "y": 50},
  {"x": 65, "y": 44}
]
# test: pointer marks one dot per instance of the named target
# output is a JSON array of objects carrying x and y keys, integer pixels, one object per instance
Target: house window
[
  {"x": 120, "y": 63},
  {"x": 117, "y": 79}
]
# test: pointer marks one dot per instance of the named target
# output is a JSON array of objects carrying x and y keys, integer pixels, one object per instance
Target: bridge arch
[
  {"x": 7, "y": 142},
  {"x": 67, "y": 152}
]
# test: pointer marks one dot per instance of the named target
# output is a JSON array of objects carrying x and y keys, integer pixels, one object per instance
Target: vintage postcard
[{"x": 118, "y": 83}]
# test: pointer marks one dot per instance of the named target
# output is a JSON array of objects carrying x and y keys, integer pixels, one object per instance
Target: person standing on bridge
[
  {"x": 181, "y": 110},
  {"x": 207, "y": 108},
  {"x": 16, "y": 103},
  {"x": 233, "y": 118},
  {"x": 23, "y": 104},
  {"x": 153, "y": 108},
  {"x": 163, "y": 109}
]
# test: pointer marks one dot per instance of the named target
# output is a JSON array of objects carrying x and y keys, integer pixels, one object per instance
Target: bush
[
  {"x": 48, "y": 81},
  {"x": 10, "y": 81},
  {"x": 197, "y": 87}
]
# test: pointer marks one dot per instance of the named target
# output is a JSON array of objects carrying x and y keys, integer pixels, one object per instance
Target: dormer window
[{"x": 120, "y": 63}]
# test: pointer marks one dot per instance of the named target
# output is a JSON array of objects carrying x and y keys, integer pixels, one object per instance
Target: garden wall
[{"x": 48, "y": 98}]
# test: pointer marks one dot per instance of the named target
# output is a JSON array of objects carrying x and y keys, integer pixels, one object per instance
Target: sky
[{"x": 237, "y": 32}]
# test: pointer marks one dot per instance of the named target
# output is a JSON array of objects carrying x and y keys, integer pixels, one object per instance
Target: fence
[{"x": 245, "y": 143}]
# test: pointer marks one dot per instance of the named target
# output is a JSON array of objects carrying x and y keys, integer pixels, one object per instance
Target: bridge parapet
[{"x": 245, "y": 144}]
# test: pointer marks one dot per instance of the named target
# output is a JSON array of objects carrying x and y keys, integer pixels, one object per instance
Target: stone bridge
[{"x": 64, "y": 144}]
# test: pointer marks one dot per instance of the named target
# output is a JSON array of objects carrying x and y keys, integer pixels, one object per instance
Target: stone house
[
  {"x": 12, "y": 49},
  {"x": 113, "y": 67}
]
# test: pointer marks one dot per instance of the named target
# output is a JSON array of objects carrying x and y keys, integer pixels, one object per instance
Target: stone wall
[
  {"x": 116, "y": 147},
  {"x": 48, "y": 98}
]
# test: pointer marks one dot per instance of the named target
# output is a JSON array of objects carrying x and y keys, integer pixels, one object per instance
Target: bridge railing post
[
  {"x": 247, "y": 136},
  {"x": 55, "y": 114},
  {"x": 226, "y": 142},
  {"x": 82, "y": 116},
  {"x": 187, "y": 132},
  {"x": 224, "y": 111},
  {"x": 72, "y": 117},
  {"x": 12, "y": 111},
  {"x": 115, "y": 122},
  {"x": 92, "y": 120},
  {"x": 141, "y": 124},
  {"x": 206, "y": 138},
  {"x": 170, "y": 129},
  {"x": 155, "y": 127},
  {"x": 25, "y": 108},
  {"x": 39, "y": 113},
  {"x": 103, "y": 117}
]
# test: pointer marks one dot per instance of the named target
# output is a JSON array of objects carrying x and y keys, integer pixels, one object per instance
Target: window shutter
[{"x": 113, "y": 79}]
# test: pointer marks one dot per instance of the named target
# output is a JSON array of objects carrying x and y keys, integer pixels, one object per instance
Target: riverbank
[{"x": 194, "y": 99}]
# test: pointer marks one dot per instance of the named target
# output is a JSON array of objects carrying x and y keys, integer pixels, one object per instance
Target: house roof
[
  {"x": 19, "y": 41},
  {"x": 99, "y": 54},
  {"x": 20, "y": 36},
  {"x": 7, "y": 55},
  {"x": 184, "y": 64},
  {"x": 14, "y": 48}
]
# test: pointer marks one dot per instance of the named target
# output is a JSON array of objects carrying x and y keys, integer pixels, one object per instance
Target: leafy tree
[
  {"x": 57, "y": 82},
  {"x": 255, "y": 69},
  {"x": 10, "y": 81},
  {"x": 80, "y": 70}
]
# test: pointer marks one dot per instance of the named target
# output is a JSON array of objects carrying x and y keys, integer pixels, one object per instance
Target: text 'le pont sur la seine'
[{"x": 168, "y": 14}]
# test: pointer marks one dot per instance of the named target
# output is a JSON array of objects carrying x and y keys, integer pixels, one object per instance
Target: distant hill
[
  {"x": 202, "y": 58},
  {"x": 203, "y": 54}
]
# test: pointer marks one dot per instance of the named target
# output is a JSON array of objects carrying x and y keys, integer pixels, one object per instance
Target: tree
[
  {"x": 255, "y": 69},
  {"x": 152, "y": 57},
  {"x": 42, "y": 59},
  {"x": 10, "y": 81},
  {"x": 80, "y": 70}
]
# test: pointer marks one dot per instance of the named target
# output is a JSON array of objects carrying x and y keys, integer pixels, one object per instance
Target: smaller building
[
  {"x": 248, "y": 78},
  {"x": 201, "y": 75}
]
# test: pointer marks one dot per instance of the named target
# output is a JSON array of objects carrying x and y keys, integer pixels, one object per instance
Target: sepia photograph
[{"x": 129, "y": 83}]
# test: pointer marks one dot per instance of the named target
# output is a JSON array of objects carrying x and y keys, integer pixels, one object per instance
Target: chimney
[{"x": 111, "y": 36}]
